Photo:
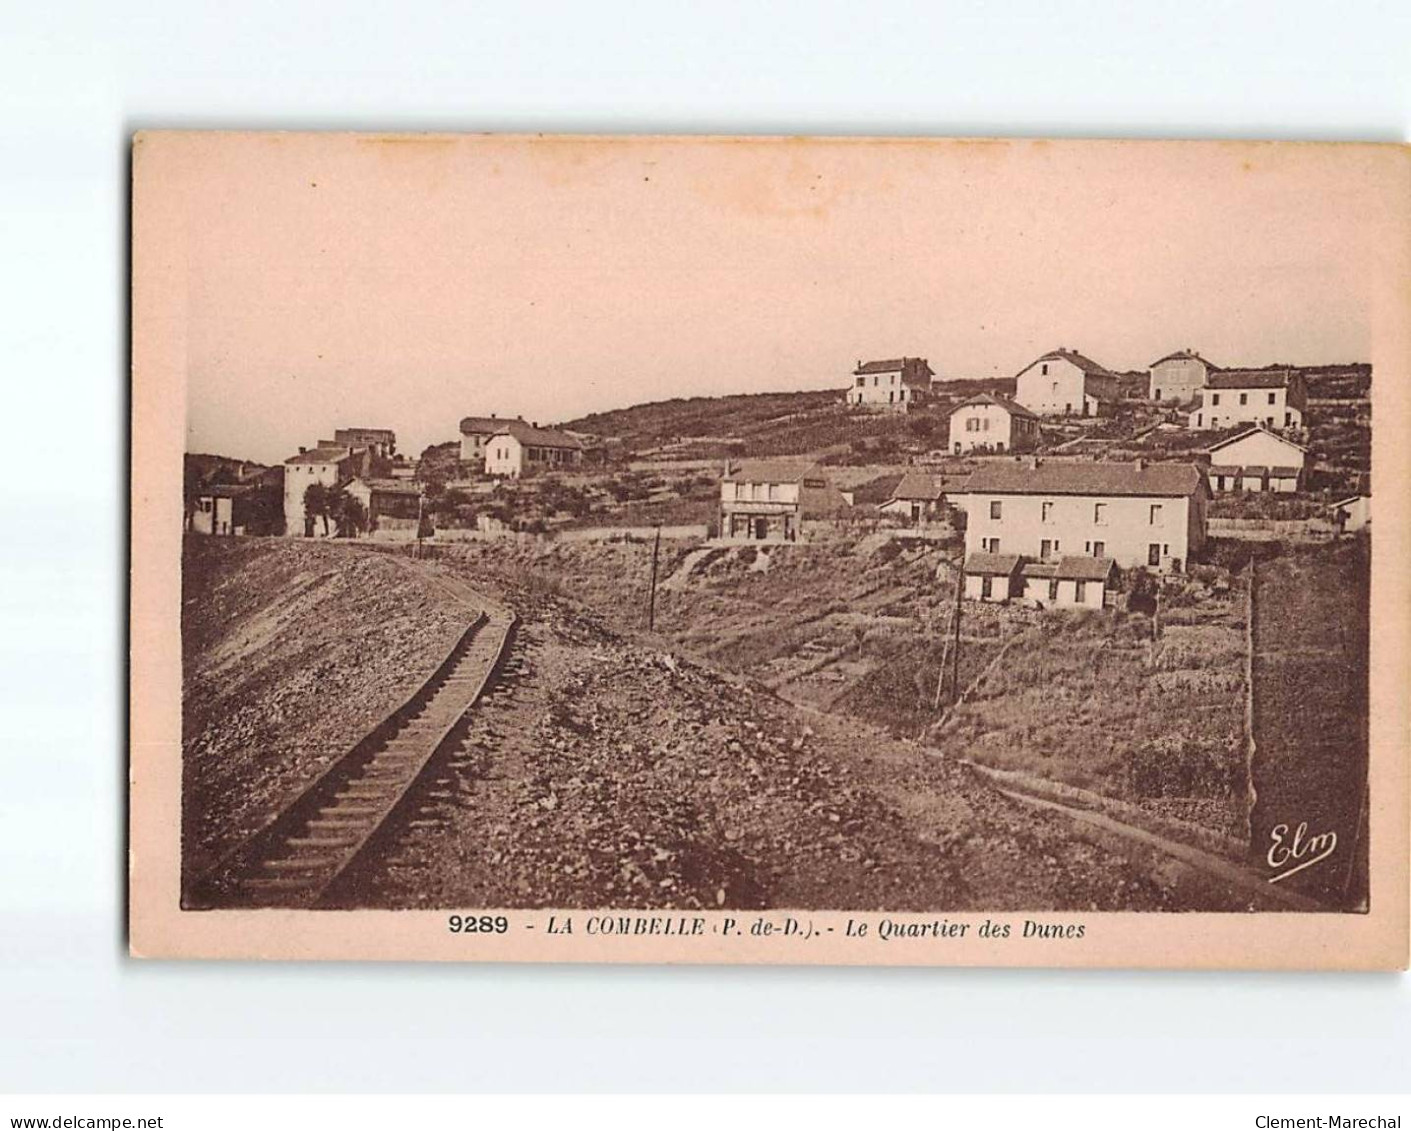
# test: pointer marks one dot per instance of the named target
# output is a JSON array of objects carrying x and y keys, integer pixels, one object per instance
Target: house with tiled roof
[
  {"x": 1255, "y": 459},
  {"x": 330, "y": 464},
  {"x": 772, "y": 500},
  {"x": 990, "y": 423},
  {"x": 1133, "y": 514},
  {"x": 1064, "y": 382},
  {"x": 1275, "y": 398},
  {"x": 518, "y": 448},
  {"x": 390, "y": 504},
  {"x": 1179, "y": 376},
  {"x": 898, "y": 384},
  {"x": 920, "y": 496},
  {"x": 475, "y": 434}
]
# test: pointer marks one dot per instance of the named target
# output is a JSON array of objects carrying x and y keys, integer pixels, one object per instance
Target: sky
[{"x": 405, "y": 282}]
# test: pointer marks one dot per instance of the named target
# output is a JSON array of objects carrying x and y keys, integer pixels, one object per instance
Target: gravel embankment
[{"x": 292, "y": 652}]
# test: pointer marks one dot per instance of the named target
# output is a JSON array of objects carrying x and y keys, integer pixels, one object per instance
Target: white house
[
  {"x": 519, "y": 449},
  {"x": 475, "y": 435},
  {"x": 1065, "y": 383},
  {"x": 1136, "y": 514},
  {"x": 1275, "y": 398},
  {"x": 1179, "y": 376},
  {"x": 991, "y": 423},
  {"x": 1255, "y": 460},
  {"x": 898, "y": 384},
  {"x": 767, "y": 500},
  {"x": 332, "y": 465},
  {"x": 1073, "y": 581}
]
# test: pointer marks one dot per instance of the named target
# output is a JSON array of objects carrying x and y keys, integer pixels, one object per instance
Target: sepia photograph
[{"x": 691, "y": 535}]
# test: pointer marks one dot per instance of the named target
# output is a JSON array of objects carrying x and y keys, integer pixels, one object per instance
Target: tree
[
  {"x": 349, "y": 514},
  {"x": 319, "y": 502}
]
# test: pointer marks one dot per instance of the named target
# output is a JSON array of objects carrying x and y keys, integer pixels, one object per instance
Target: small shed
[
  {"x": 1352, "y": 513},
  {"x": 992, "y": 577}
]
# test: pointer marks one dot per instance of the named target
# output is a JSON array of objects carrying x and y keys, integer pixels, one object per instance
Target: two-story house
[
  {"x": 768, "y": 500},
  {"x": 1065, "y": 383},
  {"x": 332, "y": 465},
  {"x": 475, "y": 436},
  {"x": 989, "y": 423},
  {"x": 1135, "y": 514},
  {"x": 518, "y": 449},
  {"x": 1275, "y": 398},
  {"x": 899, "y": 384},
  {"x": 1179, "y": 376}
]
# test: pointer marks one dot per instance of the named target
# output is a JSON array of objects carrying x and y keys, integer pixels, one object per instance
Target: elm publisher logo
[{"x": 1290, "y": 854}]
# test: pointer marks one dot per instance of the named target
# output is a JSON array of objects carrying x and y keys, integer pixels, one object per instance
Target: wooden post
[{"x": 652, "y": 601}]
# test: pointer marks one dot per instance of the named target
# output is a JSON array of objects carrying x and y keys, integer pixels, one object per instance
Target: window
[
  {"x": 1219, "y": 483},
  {"x": 995, "y": 509},
  {"x": 861, "y": 381},
  {"x": 1158, "y": 395},
  {"x": 1244, "y": 398},
  {"x": 1046, "y": 512},
  {"x": 1099, "y": 548},
  {"x": 1198, "y": 422},
  {"x": 1053, "y": 589},
  {"x": 987, "y": 587},
  {"x": 1269, "y": 420},
  {"x": 1271, "y": 398},
  {"x": 1288, "y": 419},
  {"x": 773, "y": 492},
  {"x": 985, "y": 424},
  {"x": 1214, "y": 398},
  {"x": 1099, "y": 514},
  {"x": 874, "y": 380},
  {"x": 1155, "y": 514},
  {"x": 1080, "y": 590},
  {"x": 1043, "y": 371},
  {"x": 1045, "y": 548},
  {"x": 1153, "y": 554},
  {"x": 990, "y": 545}
]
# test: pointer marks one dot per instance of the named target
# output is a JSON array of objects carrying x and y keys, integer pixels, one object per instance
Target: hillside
[{"x": 777, "y": 424}]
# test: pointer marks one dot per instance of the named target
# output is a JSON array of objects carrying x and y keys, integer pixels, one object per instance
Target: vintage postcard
[{"x": 762, "y": 550}]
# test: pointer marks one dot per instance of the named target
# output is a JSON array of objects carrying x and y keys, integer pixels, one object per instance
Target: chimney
[
  {"x": 492, "y": 416},
  {"x": 302, "y": 449}
]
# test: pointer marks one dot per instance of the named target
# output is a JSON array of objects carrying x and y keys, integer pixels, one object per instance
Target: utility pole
[
  {"x": 652, "y": 602},
  {"x": 420, "y": 500},
  {"x": 955, "y": 645}
]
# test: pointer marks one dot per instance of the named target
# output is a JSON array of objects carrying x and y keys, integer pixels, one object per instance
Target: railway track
[{"x": 308, "y": 855}]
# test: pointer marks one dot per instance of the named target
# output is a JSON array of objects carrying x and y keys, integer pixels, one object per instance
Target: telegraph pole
[
  {"x": 652, "y": 601},
  {"x": 955, "y": 646}
]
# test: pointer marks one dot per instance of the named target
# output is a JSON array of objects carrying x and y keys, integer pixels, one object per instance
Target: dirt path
[{"x": 1244, "y": 882}]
